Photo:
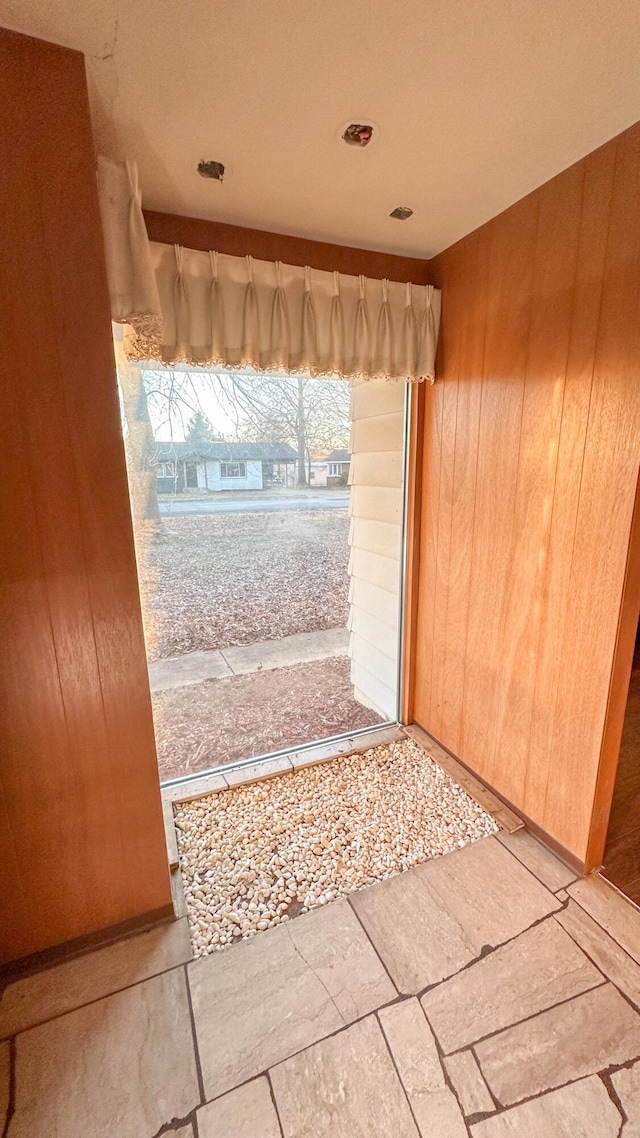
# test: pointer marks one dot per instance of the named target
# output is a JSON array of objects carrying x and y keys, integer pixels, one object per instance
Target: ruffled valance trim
[{"x": 143, "y": 349}]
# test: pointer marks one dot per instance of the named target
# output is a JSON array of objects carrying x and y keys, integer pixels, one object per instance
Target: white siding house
[
  {"x": 216, "y": 474},
  {"x": 218, "y": 465},
  {"x": 376, "y": 505}
]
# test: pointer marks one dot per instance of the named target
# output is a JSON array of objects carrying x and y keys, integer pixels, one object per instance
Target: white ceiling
[{"x": 477, "y": 102}]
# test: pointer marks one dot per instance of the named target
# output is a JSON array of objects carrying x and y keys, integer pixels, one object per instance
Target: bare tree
[
  {"x": 307, "y": 413},
  {"x": 140, "y": 448},
  {"x": 172, "y": 398}
]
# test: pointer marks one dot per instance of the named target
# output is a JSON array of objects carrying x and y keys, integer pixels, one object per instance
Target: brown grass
[
  {"x": 220, "y": 721},
  {"x": 217, "y": 580}
]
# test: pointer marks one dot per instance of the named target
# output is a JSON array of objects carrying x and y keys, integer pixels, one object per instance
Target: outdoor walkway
[
  {"x": 483, "y": 993},
  {"x": 243, "y": 659},
  {"x": 259, "y": 503}
]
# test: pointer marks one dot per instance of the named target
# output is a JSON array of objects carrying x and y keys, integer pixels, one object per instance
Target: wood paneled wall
[
  {"x": 81, "y": 833},
  {"x": 532, "y": 446},
  {"x": 238, "y": 241}
]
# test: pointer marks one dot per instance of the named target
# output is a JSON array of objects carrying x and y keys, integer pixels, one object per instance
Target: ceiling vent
[{"x": 401, "y": 212}]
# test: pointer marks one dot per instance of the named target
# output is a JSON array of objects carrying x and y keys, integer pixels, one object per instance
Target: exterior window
[
  {"x": 335, "y": 469},
  {"x": 166, "y": 470},
  {"x": 233, "y": 470}
]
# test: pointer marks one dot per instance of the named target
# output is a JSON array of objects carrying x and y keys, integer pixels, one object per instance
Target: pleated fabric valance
[{"x": 212, "y": 309}]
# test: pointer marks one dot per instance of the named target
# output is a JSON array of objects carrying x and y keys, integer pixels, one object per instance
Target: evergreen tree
[{"x": 199, "y": 429}]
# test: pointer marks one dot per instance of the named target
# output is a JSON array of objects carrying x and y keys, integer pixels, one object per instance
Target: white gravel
[{"x": 257, "y": 855}]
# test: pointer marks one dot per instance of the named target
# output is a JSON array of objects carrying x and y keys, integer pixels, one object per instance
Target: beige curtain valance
[{"x": 212, "y": 309}]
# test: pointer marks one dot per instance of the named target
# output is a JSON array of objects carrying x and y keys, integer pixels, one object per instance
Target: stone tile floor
[{"x": 484, "y": 994}]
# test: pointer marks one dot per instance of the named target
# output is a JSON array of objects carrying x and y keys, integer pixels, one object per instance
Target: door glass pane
[{"x": 268, "y": 555}]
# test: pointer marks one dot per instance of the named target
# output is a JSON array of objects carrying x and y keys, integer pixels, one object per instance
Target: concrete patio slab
[
  {"x": 297, "y": 649},
  {"x": 192, "y": 668},
  {"x": 264, "y": 655}
]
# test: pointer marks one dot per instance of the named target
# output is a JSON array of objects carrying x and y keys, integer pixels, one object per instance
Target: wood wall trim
[
  {"x": 72, "y": 949},
  {"x": 415, "y": 444},
  {"x": 618, "y": 693},
  {"x": 237, "y": 241},
  {"x": 508, "y": 818}
]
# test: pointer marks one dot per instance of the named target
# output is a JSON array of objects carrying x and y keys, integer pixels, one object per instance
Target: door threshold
[{"x": 278, "y": 762}]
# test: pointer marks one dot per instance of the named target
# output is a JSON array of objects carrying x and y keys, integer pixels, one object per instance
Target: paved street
[{"x": 332, "y": 500}]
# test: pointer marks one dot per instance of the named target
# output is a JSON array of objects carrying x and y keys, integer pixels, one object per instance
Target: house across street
[{"x": 224, "y": 466}]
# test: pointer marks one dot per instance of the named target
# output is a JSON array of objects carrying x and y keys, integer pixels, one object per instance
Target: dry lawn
[
  {"x": 218, "y": 580},
  {"x": 219, "y": 721}
]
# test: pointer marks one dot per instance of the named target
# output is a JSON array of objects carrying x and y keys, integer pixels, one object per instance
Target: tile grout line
[
  {"x": 501, "y": 1108},
  {"x": 11, "y": 1104},
  {"x": 468, "y": 1047},
  {"x": 172, "y": 1126},
  {"x": 399, "y": 995},
  {"x": 373, "y": 946},
  {"x": 96, "y": 1000},
  {"x": 603, "y": 1074},
  {"x": 398, "y": 1075},
  {"x": 527, "y": 1019},
  {"x": 486, "y": 951},
  {"x": 274, "y": 1101},
  {"x": 301, "y": 1050},
  {"x": 528, "y": 867},
  {"x": 607, "y": 1082},
  {"x": 194, "y": 1035},
  {"x": 600, "y": 925},
  {"x": 607, "y": 977},
  {"x": 447, "y": 1077}
]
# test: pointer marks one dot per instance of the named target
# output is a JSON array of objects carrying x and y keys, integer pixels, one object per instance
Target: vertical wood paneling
[
  {"x": 551, "y": 673},
  {"x": 430, "y": 500},
  {"x": 512, "y": 243},
  {"x": 521, "y": 573},
  {"x": 552, "y": 286},
  {"x": 470, "y": 329},
  {"x": 443, "y": 550},
  {"x": 607, "y": 494},
  {"x": 79, "y": 780}
]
